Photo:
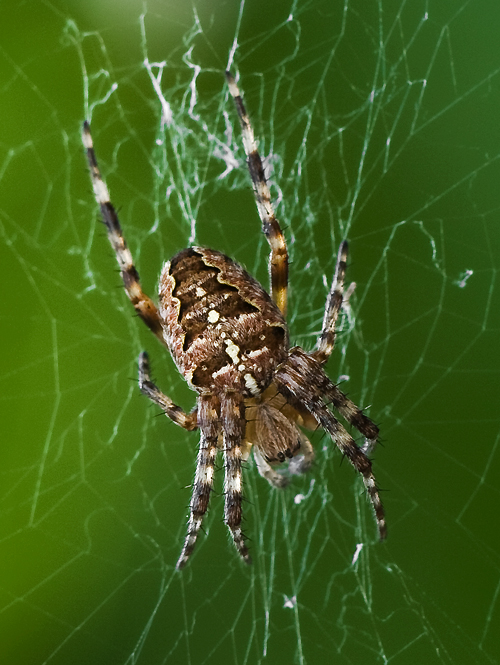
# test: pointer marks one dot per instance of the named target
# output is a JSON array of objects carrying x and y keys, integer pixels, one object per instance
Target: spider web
[{"x": 378, "y": 122}]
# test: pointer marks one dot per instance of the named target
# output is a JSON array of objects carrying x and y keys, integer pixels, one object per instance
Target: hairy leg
[
  {"x": 278, "y": 260},
  {"x": 208, "y": 420}
]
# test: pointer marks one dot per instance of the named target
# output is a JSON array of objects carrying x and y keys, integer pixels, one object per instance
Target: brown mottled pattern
[{"x": 194, "y": 283}]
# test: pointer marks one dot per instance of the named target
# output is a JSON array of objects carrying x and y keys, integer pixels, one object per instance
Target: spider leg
[
  {"x": 233, "y": 429},
  {"x": 326, "y": 340},
  {"x": 143, "y": 305},
  {"x": 208, "y": 420},
  {"x": 278, "y": 260},
  {"x": 147, "y": 387},
  {"x": 352, "y": 413},
  {"x": 325, "y": 345},
  {"x": 303, "y": 461},
  {"x": 302, "y": 370},
  {"x": 266, "y": 470}
]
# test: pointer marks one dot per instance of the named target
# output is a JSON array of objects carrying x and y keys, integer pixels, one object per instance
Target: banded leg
[
  {"x": 233, "y": 428},
  {"x": 326, "y": 341},
  {"x": 302, "y": 370},
  {"x": 208, "y": 420},
  {"x": 278, "y": 260},
  {"x": 333, "y": 395},
  {"x": 358, "y": 459},
  {"x": 142, "y": 303},
  {"x": 187, "y": 420},
  {"x": 352, "y": 413}
]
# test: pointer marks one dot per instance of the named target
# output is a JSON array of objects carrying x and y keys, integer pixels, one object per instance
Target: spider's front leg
[
  {"x": 278, "y": 260},
  {"x": 142, "y": 303},
  {"x": 326, "y": 343},
  {"x": 326, "y": 340}
]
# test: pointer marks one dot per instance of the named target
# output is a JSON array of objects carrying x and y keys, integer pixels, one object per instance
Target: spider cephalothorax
[{"x": 230, "y": 341}]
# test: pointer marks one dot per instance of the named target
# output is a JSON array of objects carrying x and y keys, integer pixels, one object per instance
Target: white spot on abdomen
[
  {"x": 258, "y": 352},
  {"x": 251, "y": 384},
  {"x": 232, "y": 350}
]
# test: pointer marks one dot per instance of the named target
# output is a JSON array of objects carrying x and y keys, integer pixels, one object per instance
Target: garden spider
[{"x": 230, "y": 341}]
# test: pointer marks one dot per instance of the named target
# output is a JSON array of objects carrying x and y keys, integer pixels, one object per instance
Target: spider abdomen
[{"x": 223, "y": 330}]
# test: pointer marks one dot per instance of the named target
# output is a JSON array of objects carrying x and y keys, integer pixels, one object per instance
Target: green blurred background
[{"x": 380, "y": 120}]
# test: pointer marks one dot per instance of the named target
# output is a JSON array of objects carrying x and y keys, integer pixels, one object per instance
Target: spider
[{"x": 230, "y": 340}]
